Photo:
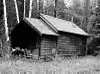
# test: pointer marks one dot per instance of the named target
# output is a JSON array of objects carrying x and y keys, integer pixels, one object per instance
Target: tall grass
[{"x": 85, "y": 65}]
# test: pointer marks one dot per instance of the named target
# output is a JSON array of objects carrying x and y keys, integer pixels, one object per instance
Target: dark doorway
[{"x": 23, "y": 36}]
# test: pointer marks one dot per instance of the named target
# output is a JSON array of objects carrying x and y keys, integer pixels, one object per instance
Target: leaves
[
  {"x": 27, "y": 8},
  {"x": 20, "y": 5},
  {"x": 11, "y": 14}
]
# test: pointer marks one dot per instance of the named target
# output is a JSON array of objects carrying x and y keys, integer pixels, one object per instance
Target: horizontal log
[{"x": 66, "y": 52}]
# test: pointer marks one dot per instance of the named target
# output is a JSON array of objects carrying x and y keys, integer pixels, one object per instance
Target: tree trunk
[
  {"x": 5, "y": 21},
  {"x": 20, "y": 6},
  {"x": 30, "y": 9},
  {"x": 85, "y": 19},
  {"x": 24, "y": 9},
  {"x": 86, "y": 14},
  {"x": 55, "y": 12},
  {"x": 17, "y": 14},
  {"x": 6, "y": 47}
]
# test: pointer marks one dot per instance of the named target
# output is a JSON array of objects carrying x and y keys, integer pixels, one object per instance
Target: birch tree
[
  {"x": 5, "y": 20},
  {"x": 30, "y": 9},
  {"x": 24, "y": 8},
  {"x": 5, "y": 45},
  {"x": 17, "y": 14}
]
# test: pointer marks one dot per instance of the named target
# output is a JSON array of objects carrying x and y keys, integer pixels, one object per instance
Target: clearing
[{"x": 85, "y": 65}]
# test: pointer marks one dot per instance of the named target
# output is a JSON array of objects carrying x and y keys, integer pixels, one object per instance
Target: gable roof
[
  {"x": 62, "y": 25},
  {"x": 39, "y": 25}
]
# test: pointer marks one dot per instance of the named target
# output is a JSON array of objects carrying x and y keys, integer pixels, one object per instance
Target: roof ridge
[{"x": 48, "y": 23}]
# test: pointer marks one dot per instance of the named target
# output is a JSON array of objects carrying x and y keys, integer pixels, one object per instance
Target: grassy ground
[{"x": 85, "y": 65}]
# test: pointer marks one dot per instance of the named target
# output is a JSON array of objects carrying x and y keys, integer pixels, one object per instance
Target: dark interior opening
[{"x": 23, "y": 36}]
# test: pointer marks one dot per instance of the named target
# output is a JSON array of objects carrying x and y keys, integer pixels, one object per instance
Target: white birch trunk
[
  {"x": 17, "y": 15},
  {"x": 38, "y": 5},
  {"x": 44, "y": 7},
  {"x": 30, "y": 9},
  {"x": 24, "y": 8},
  {"x": 5, "y": 20}
]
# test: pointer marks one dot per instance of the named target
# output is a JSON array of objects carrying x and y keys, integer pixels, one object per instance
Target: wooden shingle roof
[
  {"x": 62, "y": 25},
  {"x": 39, "y": 25},
  {"x": 50, "y": 25}
]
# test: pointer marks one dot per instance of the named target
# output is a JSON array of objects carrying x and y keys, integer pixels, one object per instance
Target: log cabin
[{"x": 45, "y": 33}]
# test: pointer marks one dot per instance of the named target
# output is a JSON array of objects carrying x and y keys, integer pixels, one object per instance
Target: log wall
[
  {"x": 47, "y": 44},
  {"x": 70, "y": 44}
]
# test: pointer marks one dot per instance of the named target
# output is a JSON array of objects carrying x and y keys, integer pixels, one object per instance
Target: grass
[{"x": 82, "y": 65}]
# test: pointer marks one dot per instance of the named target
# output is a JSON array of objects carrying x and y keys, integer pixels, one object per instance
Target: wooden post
[{"x": 40, "y": 42}]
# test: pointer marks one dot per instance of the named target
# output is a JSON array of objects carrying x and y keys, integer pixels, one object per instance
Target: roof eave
[
  {"x": 87, "y": 35},
  {"x": 51, "y": 34}
]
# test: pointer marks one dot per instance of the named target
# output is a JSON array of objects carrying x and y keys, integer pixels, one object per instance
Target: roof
[
  {"x": 62, "y": 25},
  {"x": 40, "y": 26}
]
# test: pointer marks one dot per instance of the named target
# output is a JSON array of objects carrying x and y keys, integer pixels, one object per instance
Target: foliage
[
  {"x": 2, "y": 30},
  {"x": 11, "y": 14},
  {"x": 27, "y": 8},
  {"x": 49, "y": 10},
  {"x": 94, "y": 29},
  {"x": 77, "y": 7},
  {"x": 97, "y": 13},
  {"x": 20, "y": 5},
  {"x": 49, "y": 7},
  {"x": 1, "y": 18}
]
